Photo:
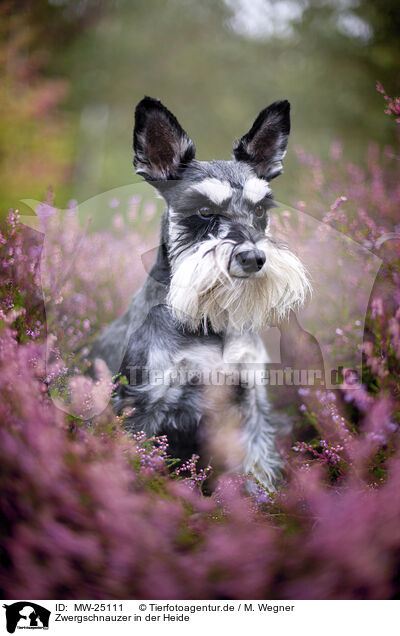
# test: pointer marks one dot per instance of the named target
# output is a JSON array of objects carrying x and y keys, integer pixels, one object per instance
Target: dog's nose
[{"x": 251, "y": 261}]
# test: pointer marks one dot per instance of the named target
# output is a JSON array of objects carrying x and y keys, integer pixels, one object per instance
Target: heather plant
[{"x": 92, "y": 511}]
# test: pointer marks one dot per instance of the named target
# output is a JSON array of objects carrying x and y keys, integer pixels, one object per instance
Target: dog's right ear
[{"x": 162, "y": 148}]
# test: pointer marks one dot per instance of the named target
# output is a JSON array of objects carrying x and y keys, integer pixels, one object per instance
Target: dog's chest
[{"x": 205, "y": 362}]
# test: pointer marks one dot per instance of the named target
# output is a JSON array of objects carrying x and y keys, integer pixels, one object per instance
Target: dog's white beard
[{"x": 202, "y": 289}]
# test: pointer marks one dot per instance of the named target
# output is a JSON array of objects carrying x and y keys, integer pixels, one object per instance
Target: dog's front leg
[
  {"x": 262, "y": 459},
  {"x": 249, "y": 404}
]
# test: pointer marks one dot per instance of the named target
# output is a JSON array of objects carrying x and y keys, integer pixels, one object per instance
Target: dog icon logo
[{"x": 26, "y": 615}]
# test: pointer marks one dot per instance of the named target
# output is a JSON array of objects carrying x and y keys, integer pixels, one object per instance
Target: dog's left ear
[
  {"x": 162, "y": 148},
  {"x": 264, "y": 146}
]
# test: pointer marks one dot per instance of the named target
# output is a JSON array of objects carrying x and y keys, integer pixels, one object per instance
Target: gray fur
[{"x": 150, "y": 336}]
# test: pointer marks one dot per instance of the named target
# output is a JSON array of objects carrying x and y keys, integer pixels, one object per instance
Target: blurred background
[
  {"x": 73, "y": 71},
  {"x": 71, "y": 74}
]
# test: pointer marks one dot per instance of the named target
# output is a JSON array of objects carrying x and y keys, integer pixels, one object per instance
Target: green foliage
[{"x": 74, "y": 71}]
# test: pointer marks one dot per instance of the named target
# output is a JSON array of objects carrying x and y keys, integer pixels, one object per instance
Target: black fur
[
  {"x": 148, "y": 336},
  {"x": 265, "y": 144},
  {"x": 157, "y": 142}
]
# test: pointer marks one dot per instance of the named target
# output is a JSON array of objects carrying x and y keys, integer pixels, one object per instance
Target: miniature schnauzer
[{"x": 218, "y": 278}]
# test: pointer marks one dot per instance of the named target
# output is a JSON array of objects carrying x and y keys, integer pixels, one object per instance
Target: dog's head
[{"x": 226, "y": 268}]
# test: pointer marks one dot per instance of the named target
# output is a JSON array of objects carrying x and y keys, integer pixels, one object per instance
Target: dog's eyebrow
[
  {"x": 255, "y": 189},
  {"x": 215, "y": 190}
]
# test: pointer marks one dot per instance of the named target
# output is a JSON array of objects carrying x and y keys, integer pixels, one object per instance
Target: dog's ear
[
  {"x": 264, "y": 146},
  {"x": 162, "y": 148}
]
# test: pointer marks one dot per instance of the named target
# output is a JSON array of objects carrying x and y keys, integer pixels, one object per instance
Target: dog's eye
[
  {"x": 259, "y": 210},
  {"x": 205, "y": 212}
]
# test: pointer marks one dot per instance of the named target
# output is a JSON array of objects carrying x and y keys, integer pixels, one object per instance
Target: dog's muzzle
[
  {"x": 246, "y": 260},
  {"x": 250, "y": 261}
]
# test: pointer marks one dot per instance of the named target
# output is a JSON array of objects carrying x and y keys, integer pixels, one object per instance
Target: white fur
[
  {"x": 255, "y": 189},
  {"x": 214, "y": 189},
  {"x": 254, "y": 440},
  {"x": 246, "y": 348},
  {"x": 202, "y": 287},
  {"x": 258, "y": 437}
]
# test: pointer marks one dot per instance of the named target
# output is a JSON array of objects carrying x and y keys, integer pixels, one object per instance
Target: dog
[{"x": 219, "y": 277}]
